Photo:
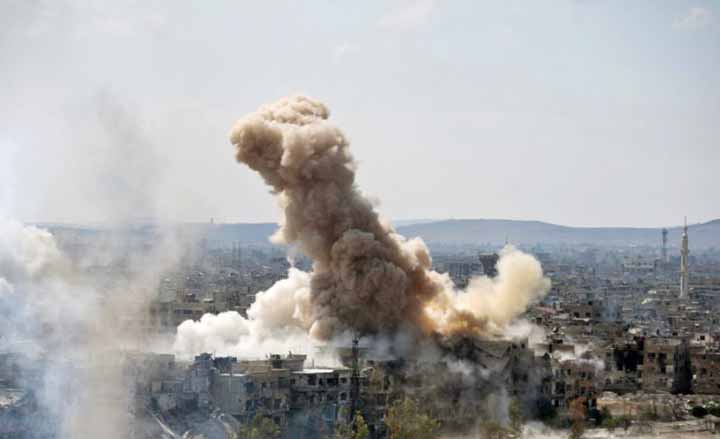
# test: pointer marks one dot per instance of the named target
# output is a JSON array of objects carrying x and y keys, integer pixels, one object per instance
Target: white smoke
[
  {"x": 50, "y": 319},
  {"x": 68, "y": 327},
  {"x": 277, "y": 321},
  {"x": 70, "y": 334},
  {"x": 26, "y": 252},
  {"x": 582, "y": 354}
]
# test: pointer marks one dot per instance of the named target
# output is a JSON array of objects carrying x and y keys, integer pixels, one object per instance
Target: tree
[
  {"x": 602, "y": 415},
  {"x": 699, "y": 411},
  {"x": 713, "y": 408},
  {"x": 358, "y": 429},
  {"x": 405, "y": 420},
  {"x": 650, "y": 413},
  {"x": 577, "y": 413},
  {"x": 610, "y": 423},
  {"x": 515, "y": 414},
  {"x": 261, "y": 427}
]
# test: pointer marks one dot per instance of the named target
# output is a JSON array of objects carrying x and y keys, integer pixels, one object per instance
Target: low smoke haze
[{"x": 516, "y": 110}]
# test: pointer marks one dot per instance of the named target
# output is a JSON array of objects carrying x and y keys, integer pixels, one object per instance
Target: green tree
[
  {"x": 713, "y": 408},
  {"x": 610, "y": 423},
  {"x": 358, "y": 429},
  {"x": 607, "y": 420},
  {"x": 515, "y": 414},
  {"x": 261, "y": 427},
  {"x": 405, "y": 420},
  {"x": 602, "y": 415},
  {"x": 699, "y": 411},
  {"x": 650, "y": 413}
]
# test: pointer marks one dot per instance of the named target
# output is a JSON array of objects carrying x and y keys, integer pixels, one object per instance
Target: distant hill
[
  {"x": 411, "y": 222},
  {"x": 532, "y": 232},
  {"x": 478, "y": 231},
  {"x": 470, "y": 231},
  {"x": 243, "y": 233}
]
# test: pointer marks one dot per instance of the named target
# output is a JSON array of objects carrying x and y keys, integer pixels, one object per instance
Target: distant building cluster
[{"x": 624, "y": 330}]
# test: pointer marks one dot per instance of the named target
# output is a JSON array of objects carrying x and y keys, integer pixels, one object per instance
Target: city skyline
[{"x": 458, "y": 219}]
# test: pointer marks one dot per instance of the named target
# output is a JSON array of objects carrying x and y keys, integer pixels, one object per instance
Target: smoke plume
[
  {"x": 278, "y": 320},
  {"x": 365, "y": 279},
  {"x": 52, "y": 325},
  {"x": 72, "y": 308},
  {"x": 67, "y": 331}
]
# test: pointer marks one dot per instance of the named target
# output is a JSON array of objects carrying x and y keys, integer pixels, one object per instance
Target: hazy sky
[{"x": 584, "y": 112}]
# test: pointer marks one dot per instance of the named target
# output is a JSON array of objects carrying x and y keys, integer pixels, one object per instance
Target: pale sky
[{"x": 584, "y": 112}]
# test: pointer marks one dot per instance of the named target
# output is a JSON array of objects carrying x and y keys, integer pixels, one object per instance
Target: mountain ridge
[
  {"x": 462, "y": 231},
  {"x": 705, "y": 234}
]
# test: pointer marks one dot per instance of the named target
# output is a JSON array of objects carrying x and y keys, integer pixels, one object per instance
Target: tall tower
[
  {"x": 684, "y": 253},
  {"x": 664, "y": 245}
]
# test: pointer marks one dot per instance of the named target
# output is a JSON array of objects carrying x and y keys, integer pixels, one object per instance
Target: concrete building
[
  {"x": 573, "y": 379},
  {"x": 665, "y": 362},
  {"x": 489, "y": 263},
  {"x": 244, "y": 394},
  {"x": 706, "y": 372}
]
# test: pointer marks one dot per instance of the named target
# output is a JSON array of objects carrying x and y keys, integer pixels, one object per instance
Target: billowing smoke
[
  {"x": 66, "y": 333},
  {"x": 69, "y": 319},
  {"x": 278, "y": 320},
  {"x": 365, "y": 279},
  {"x": 52, "y": 326}
]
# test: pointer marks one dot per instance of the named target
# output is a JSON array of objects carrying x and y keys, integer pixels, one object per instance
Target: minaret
[{"x": 684, "y": 253}]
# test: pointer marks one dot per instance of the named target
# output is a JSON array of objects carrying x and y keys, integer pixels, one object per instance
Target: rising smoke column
[
  {"x": 365, "y": 277},
  {"x": 67, "y": 323},
  {"x": 67, "y": 335},
  {"x": 50, "y": 320}
]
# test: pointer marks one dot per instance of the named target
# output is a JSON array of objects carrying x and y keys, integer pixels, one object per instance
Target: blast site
[{"x": 387, "y": 220}]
